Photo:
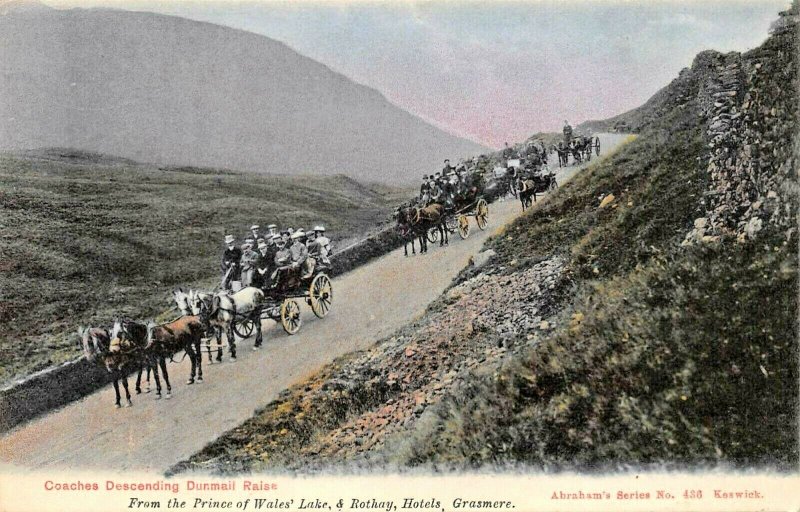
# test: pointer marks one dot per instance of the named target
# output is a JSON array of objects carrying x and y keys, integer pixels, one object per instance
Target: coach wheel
[
  {"x": 553, "y": 184},
  {"x": 482, "y": 215},
  {"x": 290, "y": 316},
  {"x": 433, "y": 235},
  {"x": 321, "y": 295},
  {"x": 463, "y": 226},
  {"x": 597, "y": 146},
  {"x": 451, "y": 223},
  {"x": 244, "y": 327}
]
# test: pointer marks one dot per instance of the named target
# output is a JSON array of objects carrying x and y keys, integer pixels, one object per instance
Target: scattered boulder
[{"x": 482, "y": 258}]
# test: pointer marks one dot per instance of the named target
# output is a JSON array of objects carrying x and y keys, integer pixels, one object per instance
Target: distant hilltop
[
  {"x": 22, "y": 6},
  {"x": 168, "y": 90}
]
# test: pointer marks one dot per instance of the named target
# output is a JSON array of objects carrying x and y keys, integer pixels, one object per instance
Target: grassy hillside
[
  {"x": 86, "y": 237},
  {"x": 666, "y": 355}
]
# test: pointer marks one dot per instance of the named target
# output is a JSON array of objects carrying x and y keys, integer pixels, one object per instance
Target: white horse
[
  {"x": 227, "y": 307},
  {"x": 224, "y": 308}
]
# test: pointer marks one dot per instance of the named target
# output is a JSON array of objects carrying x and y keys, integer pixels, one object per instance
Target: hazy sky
[{"x": 496, "y": 71}]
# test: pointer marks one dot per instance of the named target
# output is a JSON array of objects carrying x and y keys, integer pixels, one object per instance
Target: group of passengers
[
  {"x": 450, "y": 186},
  {"x": 263, "y": 257}
]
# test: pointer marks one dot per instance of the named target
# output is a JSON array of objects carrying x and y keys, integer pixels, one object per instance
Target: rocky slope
[
  {"x": 164, "y": 89},
  {"x": 593, "y": 335}
]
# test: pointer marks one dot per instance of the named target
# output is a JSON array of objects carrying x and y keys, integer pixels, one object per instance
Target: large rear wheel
[
  {"x": 463, "y": 226},
  {"x": 321, "y": 295},
  {"x": 482, "y": 215},
  {"x": 433, "y": 235},
  {"x": 290, "y": 316},
  {"x": 597, "y": 146}
]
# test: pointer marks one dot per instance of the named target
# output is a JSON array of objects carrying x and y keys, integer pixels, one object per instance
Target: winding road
[{"x": 370, "y": 303}]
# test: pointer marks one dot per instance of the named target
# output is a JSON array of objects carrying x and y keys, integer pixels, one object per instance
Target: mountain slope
[{"x": 164, "y": 89}]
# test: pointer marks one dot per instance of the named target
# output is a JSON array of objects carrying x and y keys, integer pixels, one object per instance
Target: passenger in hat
[
  {"x": 299, "y": 255},
  {"x": 273, "y": 230},
  {"x": 248, "y": 263},
  {"x": 265, "y": 263},
  {"x": 323, "y": 240},
  {"x": 447, "y": 168},
  {"x": 254, "y": 230},
  {"x": 231, "y": 261},
  {"x": 319, "y": 245}
]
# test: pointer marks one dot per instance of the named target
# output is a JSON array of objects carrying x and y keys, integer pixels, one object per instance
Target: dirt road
[{"x": 370, "y": 303}]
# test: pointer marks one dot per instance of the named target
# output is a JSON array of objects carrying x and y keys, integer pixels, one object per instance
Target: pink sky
[{"x": 497, "y": 71}]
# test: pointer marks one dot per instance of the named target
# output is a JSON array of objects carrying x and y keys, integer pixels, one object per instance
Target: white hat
[
  {"x": 319, "y": 228},
  {"x": 272, "y": 226},
  {"x": 254, "y": 227},
  {"x": 298, "y": 234},
  {"x": 276, "y": 237},
  {"x": 262, "y": 245},
  {"x": 229, "y": 239}
]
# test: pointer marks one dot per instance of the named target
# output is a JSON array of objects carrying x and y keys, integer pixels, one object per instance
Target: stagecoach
[
  {"x": 281, "y": 300},
  {"x": 585, "y": 146},
  {"x": 458, "y": 219}
]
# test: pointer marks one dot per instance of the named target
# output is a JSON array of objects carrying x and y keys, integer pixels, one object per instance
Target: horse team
[{"x": 131, "y": 346}]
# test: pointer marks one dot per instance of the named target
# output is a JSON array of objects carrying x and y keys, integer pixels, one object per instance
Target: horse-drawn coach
[{"x": 281, "y": 300}]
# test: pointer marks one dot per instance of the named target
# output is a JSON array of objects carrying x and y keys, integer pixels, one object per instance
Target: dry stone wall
[{"x": 750, "y": 103}]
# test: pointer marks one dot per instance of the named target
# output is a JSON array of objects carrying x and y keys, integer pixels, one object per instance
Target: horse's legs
[
  {"x": 163, "y": 363},
  {"x": 199, "y": 355},
  {"x": 446, "y": 234},
  {"x": 208, "y": 348},
  {"x": 259, "y": 338},
  {"x": 218, "y": 331},
  {"x": 153, "y": 363},
  {"x": 231, "y": 341},
  {"x": 116, "y": 391},
  {"x": 405, "y": 248},
  {"x": 189, "y": 349},
  {"x": 127, "y": 393},
  {"x": 139, "y": 379}
]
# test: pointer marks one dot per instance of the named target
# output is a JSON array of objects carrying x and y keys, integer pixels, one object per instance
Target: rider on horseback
[{"x": 567, "y": 133}]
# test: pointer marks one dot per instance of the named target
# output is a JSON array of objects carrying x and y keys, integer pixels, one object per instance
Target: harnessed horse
[
  {"x": 409, "y": 232},
  {"x": 428, "y": 217},
  {"x": 184, "y": 333},
  {"x": 226, "y": 307},
  {"x": 119, "y": 355},
  {"x": 192, "y": 303}
]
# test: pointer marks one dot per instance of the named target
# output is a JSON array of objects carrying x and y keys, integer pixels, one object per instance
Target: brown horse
[
  {"x": 527, "y": 193},
  {"x": 410, "y": 233},
  {"x": 185, "y": 333},
  {"x": 119, "y": 354},
  {"x": 428, "y": 217}
]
